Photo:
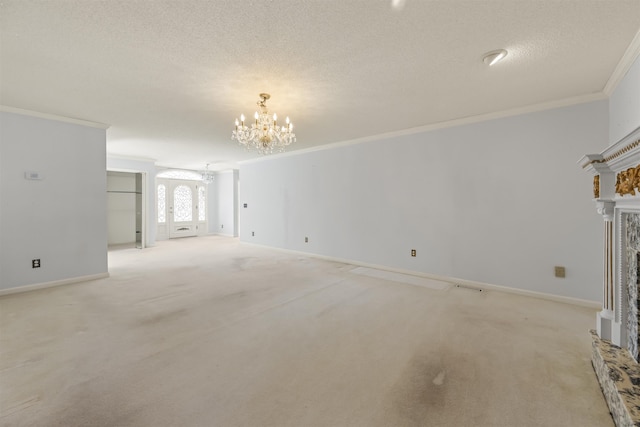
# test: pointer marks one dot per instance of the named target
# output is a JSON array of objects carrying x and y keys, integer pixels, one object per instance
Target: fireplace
[{"x": 616, "y": 340}]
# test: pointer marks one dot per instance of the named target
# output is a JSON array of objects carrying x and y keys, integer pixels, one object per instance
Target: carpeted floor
[{"x": 210, "y": 332}]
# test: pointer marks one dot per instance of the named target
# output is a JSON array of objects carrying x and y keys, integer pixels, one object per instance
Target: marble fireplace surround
[{"x": 616, "y": 340}]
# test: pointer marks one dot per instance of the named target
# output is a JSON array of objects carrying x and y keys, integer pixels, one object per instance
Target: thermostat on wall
[{"x": 33, "y": 175}]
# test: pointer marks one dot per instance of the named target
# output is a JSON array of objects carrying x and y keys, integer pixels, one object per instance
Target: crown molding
[
  {"x": 8, "y": 109},
  {"x": 627, "y": 60},
  {"x": 225, "y": 171},
  {"x": 132, "y": 158},
  {"x": 565, "y": 102}
]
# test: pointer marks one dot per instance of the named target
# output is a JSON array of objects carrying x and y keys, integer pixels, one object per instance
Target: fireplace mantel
[{"x": 616, "y": 179}]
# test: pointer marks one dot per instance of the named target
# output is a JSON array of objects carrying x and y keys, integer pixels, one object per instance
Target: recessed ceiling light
[
  {"x": 397, "y": 4},
  {"x": 495, "y": 56}
]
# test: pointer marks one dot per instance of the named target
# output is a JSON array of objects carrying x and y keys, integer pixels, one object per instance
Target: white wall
[
  {"x": 121, "y": 208},
  {"x": 223, "y": 204},
  {"x": 60, "y": 219},
  {"x": 500, "y": 202},
  {"x": 624, "y": 105},
  {"x": 148, "y": 168}
]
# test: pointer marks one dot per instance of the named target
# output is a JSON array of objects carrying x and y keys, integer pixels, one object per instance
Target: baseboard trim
[
  {"x": 36, "y": 286},
  {"x": 222, "y": 234},
  {"x": 534, "y": 294},
  {"x": 454, "y": 281}
]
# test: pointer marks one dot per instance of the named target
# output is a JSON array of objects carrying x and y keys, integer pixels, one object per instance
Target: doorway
[
  {"x": 181, "y": 208},
  {"x": 125, "y": 209}
]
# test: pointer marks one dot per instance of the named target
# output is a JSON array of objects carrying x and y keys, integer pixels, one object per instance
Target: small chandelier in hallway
[
  {"x": 264, "y": 136},
  {"x": 207, "y": 175}
]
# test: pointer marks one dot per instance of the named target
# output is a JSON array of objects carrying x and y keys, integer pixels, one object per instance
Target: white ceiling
[{"x": 170, "y": 77}]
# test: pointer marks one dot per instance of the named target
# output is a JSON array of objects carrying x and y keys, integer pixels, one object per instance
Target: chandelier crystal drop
[{"x": 264, "y": 135}]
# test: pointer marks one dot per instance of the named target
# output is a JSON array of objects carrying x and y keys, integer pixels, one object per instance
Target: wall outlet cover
[{"x": 32, "y": 175}]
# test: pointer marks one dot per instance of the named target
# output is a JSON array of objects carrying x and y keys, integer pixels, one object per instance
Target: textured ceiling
[{"x": 170, "y": 77}]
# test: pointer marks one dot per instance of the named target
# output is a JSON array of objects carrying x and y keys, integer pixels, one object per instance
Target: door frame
[
  {"x": 182, "y": 228},
  {"x": 145, "y": 201},
  {"x": 164, "y": 230}
]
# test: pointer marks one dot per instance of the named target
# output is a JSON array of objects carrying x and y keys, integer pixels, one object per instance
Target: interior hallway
[{"x": 211, "y": 332}]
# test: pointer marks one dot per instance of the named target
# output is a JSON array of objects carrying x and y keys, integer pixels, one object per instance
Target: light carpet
[{"x": 211, "y": 332}]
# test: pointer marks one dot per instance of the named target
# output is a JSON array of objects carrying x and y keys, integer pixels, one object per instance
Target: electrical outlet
[
  {"x": 560, "y": 271},
  {"x": 306, "y": 240},
  {"x": 253, "y": 233},
  {"x": 221, "y": 225},
  {"x": 35, "y": 263},
  {"x": 413, "y": 252}
]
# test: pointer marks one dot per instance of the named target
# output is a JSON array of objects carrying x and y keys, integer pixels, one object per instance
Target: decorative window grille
[
  {"x": 162, "y": 204},
  {"x": 202, "y": 204},
  {"x": 182, "y": 204}
]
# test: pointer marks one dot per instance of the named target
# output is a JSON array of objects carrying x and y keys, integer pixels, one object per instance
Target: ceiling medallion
[{"x": 264, "y": 136}]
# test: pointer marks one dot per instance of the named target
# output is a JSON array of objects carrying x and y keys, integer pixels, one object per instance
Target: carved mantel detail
[
  {"x": 615, "y": 154},
  {"x": 596, "y": 186},
  {"x": 606, "y": 208},
  {"x": 628, "y": 181}
]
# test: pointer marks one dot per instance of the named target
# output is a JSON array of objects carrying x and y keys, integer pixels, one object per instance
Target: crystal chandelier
[
  {"x": 207, "y": 175},
  {"x": 264, "y": 136}
]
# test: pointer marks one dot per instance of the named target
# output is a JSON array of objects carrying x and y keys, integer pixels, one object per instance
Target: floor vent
[{"x": 470, "y": 288}]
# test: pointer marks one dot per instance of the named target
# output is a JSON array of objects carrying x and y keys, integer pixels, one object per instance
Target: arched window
[{"x": 180, "y": 174}]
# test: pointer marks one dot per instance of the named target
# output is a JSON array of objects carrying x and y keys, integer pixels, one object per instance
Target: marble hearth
[{"x": 619, "y": 377}]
